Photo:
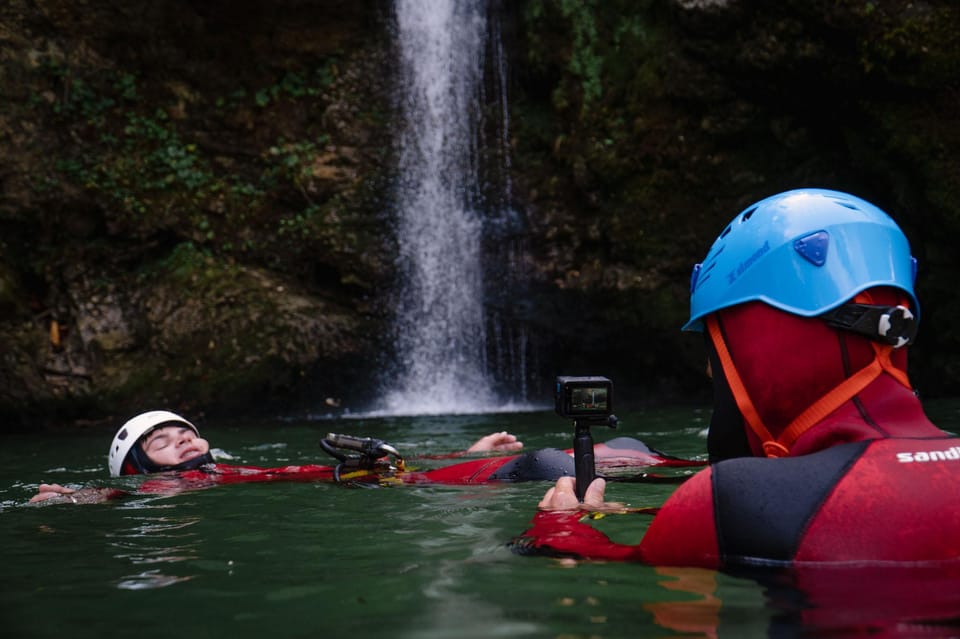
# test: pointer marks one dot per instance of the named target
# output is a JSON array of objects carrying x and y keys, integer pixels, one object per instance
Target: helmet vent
[
  {"x": 702, "y": 271},
  {"x": 705, "y": 275},
  {"x": 709, "y": 267},
  {"x": 747, "y": 214},
  {"x": 844, "y": 201},
  {"x": 726, "y": 232}
]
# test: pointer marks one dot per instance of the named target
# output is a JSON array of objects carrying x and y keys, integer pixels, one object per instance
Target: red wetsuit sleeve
[
  {"x": 682, "y": 534},
  {"x": 176, "y": 483},
  {"x": 564, "y": 534},
  {"x": 684, "y": 531},
  {"x": 475, "y": 471},
  {"x": 222, "y": 474}
]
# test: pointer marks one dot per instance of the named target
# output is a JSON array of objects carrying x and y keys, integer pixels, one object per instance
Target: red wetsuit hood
[{"x": 786, "y": 363}]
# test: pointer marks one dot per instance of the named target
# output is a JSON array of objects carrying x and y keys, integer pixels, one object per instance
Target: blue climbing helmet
[{"x": 805, "y": 251}]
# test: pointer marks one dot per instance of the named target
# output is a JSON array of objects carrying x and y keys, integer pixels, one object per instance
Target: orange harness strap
[
  {"x": 740, "y": 395},
  {"x": 830, "y": 402},
  {"x": 819, "y": 410}
]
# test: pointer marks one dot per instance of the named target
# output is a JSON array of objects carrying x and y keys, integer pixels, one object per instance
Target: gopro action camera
[
  {"x": 584, "y": 398},
  {"x": 589, "y": 401}
]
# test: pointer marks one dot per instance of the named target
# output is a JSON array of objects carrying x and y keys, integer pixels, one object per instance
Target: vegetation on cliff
[
  {"x": 643, "y": 127},
  {"x": 192, "y": 214},
  {"x": 196, "y": 209}
]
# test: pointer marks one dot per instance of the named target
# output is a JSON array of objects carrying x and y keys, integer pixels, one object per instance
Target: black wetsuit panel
[
  {"x": 547, "y": 464},
  {"x": 763, "y": 506}
]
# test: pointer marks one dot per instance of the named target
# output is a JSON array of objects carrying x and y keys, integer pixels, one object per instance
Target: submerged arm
[{"x": 55, "y": 493}]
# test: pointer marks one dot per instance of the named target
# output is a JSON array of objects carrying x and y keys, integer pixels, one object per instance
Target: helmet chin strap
[
  {"x": 142, "y": 463},
  {"x": 191, "y": 464},
  {"x": 816, "y": 412}
]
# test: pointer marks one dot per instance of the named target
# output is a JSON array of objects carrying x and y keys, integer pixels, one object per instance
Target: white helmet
[{"x": 131, "y": 432}]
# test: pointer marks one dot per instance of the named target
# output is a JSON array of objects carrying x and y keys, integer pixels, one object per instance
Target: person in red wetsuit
[
  {"x": 820, "y": 451},
  {"x": 169, "y": 448},
  {"x": 158, "y": 442}
]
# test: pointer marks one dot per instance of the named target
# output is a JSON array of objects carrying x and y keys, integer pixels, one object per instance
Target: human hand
[
  {"x": 500, "y": 442},
  {"x": 55, "y": 493},
  {"x": 47, "y": 491},
  {"x": 563, "y": 496}
]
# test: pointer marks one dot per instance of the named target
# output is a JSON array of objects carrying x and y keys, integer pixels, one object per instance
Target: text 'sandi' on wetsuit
[{"x": 870, "y": 481}]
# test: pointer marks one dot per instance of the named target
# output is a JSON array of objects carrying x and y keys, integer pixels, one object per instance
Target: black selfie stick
[
  {"x": 583, "y": 460},
  {"x": 583, "y": 457}
]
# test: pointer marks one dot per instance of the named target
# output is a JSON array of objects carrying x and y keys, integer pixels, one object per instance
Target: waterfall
[{"x": 441, "y": 323}]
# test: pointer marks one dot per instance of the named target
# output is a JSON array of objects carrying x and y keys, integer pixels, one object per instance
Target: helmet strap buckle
[{"x": 892, "y": 325}]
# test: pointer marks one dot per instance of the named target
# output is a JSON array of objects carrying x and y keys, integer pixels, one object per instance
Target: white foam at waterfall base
[{"x": 440, "y": 334}]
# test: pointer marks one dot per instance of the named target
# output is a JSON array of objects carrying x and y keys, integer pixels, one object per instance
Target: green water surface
[{"x": 319, "y": 559}]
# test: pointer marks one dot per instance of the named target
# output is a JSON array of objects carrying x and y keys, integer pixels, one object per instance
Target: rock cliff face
[
  {"x": 195, "y": 205},
  {"x": 191, "y": 213},
  {"x": 643, "y": 128}
]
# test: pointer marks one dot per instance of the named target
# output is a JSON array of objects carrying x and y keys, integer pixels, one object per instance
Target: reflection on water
[
  {"x": 699, "y": 615},
  {"x": 148, "y": 580},
  {"x": 450, "y": 606},
  {"x": 154, "y": 540}
]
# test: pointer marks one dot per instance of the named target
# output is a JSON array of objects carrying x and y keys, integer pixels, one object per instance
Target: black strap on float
[{"x": 893, "y": 325}]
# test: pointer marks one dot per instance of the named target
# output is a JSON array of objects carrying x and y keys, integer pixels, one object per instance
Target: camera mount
[{"x": 583, "y": 460}]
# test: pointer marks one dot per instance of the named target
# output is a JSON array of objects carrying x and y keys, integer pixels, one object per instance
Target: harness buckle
[{"x": 775, "y": 449}]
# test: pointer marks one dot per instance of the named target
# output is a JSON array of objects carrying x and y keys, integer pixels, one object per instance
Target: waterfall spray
[
  {"x": 441, "y": 337},
  {"x": 460, "y": 262}
]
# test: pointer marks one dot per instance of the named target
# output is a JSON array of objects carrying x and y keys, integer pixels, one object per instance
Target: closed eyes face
[{"x": 172, "y": 445}]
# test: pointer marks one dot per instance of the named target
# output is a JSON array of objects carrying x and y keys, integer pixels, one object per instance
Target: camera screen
[{"x": 588, "y": 399}]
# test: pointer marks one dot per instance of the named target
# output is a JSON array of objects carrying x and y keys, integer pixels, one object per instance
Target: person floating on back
[
  {"x": 164, "y": 444},
  {"x": 168, "y": 448}
]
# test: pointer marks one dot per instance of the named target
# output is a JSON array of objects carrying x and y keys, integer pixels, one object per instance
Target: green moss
[
  {"x": 919, "y": 46},
  {"x": 150, "y": 170}
]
